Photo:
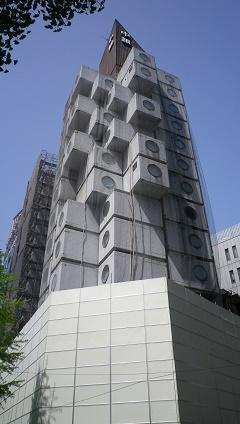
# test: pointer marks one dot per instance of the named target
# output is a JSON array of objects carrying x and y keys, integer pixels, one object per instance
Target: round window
[
  {"x": 190, "y": 213},
  {"x": 108, "y": 117},
  {"x": 171, "y": 92},
  {"x": 183, "y": 165},
  {"x": 186, "y": 187},
  {"x": 144, "y": 57},
  {"x": 152, "y": 146},
  {"x": 54, "y": 282},
  {"x": 57, "y": 250},
  {"x": 49, "y": 245},
  {"x": 145, "y": 72},
  {"x": 105, "y": 208},
  {"x": 169, "y": 78},
  {"x": 105, "y": 274},
  {"x": 60, "y": 221},
  {"x": 179, "y": 143},
  {"x": 154, "y": 170},
  {"x": 108, "y": 84},
  {"x": 148, "y": 105},
  {"x": 108, "y": 182},
  {"x": 173, "y": 108},
  {"x": 195, "y": 241},
  {"x": 105, "y": 239},
  {"x": 176, "y": 125},
  {"x": 200, "y": 273},
  {"x": 108, "y": 158}
]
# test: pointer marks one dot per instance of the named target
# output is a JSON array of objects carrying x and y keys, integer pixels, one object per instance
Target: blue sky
[{"x": 196, "y": 40}]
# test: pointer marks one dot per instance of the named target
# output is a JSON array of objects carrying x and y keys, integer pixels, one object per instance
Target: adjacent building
[
  {"x": 127, "y": 201},
  {"x": 226, "y": 248},
  {"x": 26, "y": 245}
]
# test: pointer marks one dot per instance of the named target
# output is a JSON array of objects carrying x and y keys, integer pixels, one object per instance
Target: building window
[
  {"x": 227, "y": 254},
  {"x": 238, "y": 271},
  {"x": 232, "y": 277},
  {"x": 235, "y": 252}
]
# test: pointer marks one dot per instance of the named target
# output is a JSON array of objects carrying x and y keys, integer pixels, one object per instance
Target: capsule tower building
[{"x": 127, "y": 202}]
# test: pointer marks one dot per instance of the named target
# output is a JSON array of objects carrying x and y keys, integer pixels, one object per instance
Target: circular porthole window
[
  {"x": 105, "y": 274},
  {"x": 148, "y": 105},
  {"x": 179, "y": 143},
  {"x": 108, "y": 182},
  {"x": 186, "y": 187},
  {"x": 154, "y": 170},
  {"x": 108, "y": 117},
  {"x": 105, "y": 239},
  {"x": 173, "y": 108},
  {"x": 108, "y": 84},
  {"x": 176, "y": 125},
  {"x": 105, "y": 208},
  {"x": 200, "y": 273},
  {"x": 195, "y": 241},
  {"x": 57, "y": 250},
  {"x": 169, "y": 78},
  {"x": 54, "y": 282},
  {"x": 60, "y": 221},
  {"x": 171, "y": 92},
  {"x": 145, "y": 72},
  {"x": 190, "y": 213},
  {"x": 144, "y": 57},
  {"x": 152, "y": 146},
  {"x": 108, "y": 158},
  {"x": 182, "y": 164}
]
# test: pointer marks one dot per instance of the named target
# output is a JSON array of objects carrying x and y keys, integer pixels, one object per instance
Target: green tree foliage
[
  {"x": 9, "y": 345},
  {"x": 17, "y": 16}
]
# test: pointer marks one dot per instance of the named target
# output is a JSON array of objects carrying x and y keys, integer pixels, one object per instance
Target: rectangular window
[
  {"x": 227, "y": 254},
  {"x": 238, "y": 271},
  {"x": 232, "y": 277},
  {"x": 235, "y": 252}
]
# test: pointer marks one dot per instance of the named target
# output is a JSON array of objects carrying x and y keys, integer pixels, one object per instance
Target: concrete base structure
[{"x": 139, "y": 352}]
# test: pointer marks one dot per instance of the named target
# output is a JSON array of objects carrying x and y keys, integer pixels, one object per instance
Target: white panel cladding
[
  {"x": 68, "y": 275},
  {"x": 132, "y": 237},
  {"x": 140, "y": 78},
  {"x": 174, "y": 109},
  {"x": 147, "y": 177},
  {"x": 118, "y": 135},
  {"x": 191, "y": 271},
  {"x": 79, "y": 115},
  {"x": 76, "y": 246},
  {"x": 165, "y": 77},
  {"x": 184, "y": 239},
  {"x": 146, "y": 146},
  {"x": 98, "y": 186},
  {"x": 136, "y": 207},
  {"x": 181, "y": 164},
  {"x": 78, "y": 216},
  {"x": 138, "y": 55},
  {"x": 185, "y": 187},
  {"x": 77, "y": 150},
  {"x": 119, "y": 266},
  {"x": 180, "y": 210},
  {"x": 143, "y": 112},
  {"x": 171, "y": 93},
  {"x": 99, "y": 122},
  {"x": 101, "y": 87},
  {"x": 118, "y": 98}
]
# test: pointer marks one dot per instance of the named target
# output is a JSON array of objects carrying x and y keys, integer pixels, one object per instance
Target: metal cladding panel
[{"x": 68, "y": 275}]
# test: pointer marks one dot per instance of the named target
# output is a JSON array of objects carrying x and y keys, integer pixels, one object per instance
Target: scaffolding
[{"x": 31, "y": 248}]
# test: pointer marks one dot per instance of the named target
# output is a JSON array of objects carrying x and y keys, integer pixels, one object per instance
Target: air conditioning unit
[{"x": 147, "y": 177}]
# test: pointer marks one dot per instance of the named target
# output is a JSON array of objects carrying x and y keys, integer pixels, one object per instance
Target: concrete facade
[
  {"x": 127, "y": 138},
  {"x": 226, "y": 249},
  {"x": 140, "y": 352}
]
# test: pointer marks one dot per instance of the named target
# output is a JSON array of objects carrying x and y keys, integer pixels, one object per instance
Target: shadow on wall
[{"x": 42, "y": 402}]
